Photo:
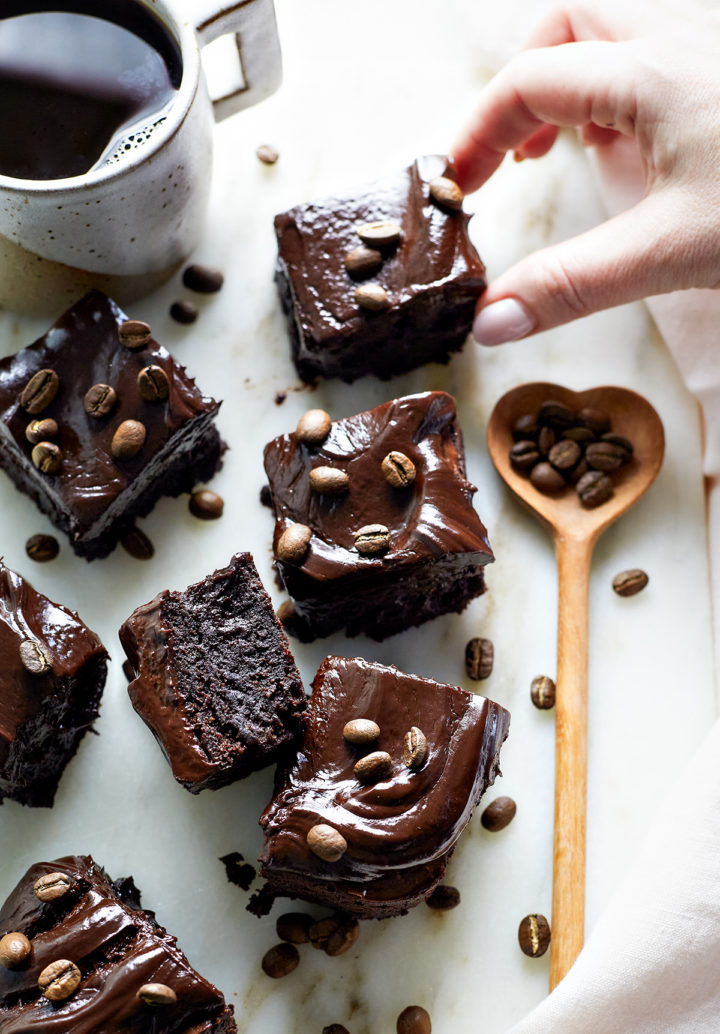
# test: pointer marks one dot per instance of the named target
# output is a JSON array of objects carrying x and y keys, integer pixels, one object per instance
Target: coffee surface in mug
[{"x": 78, "y": 90}]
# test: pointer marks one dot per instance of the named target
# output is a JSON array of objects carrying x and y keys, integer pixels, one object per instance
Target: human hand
[{"x": 641, "y": 70}]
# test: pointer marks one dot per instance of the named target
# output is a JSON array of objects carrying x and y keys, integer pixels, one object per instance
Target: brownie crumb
[
  {"x": 260, "y": 903},
  {"x": 280, "y": 397},
  {"x": 237, "y": 870}
]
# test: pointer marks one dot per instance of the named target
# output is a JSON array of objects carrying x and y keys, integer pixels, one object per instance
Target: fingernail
[{"x": 506, "y": 320}]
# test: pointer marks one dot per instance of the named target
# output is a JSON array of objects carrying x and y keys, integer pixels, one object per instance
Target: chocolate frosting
[{"x": 100, "y": 926}]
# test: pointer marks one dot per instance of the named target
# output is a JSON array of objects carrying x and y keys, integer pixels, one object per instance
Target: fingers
[{"x": 538, "y": 144}]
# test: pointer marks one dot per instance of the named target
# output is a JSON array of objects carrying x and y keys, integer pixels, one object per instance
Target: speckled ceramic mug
[{"x": 126, "y": 226}]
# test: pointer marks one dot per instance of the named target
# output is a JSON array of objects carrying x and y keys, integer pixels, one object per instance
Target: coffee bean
[
  {"x": 379, "y": 234},
  {"x": 128, "y": 439},
  {"x": 329, "y": 481},
  {"x": 373, "y": 767},
  {"x": 293, "y": 544},
  {"x": 157, "y": 995},
  {"x": 546, "y": 440},
  {"x": 446, "y": 192},
  {"x": 542, "y": 692},
  {"x": 525, "y": 427},
  {"x": 52, "y": 886},
  {"x": 137, "y": 544},
  {"x": 564, "y": 454},
  {"x": 59, "y": 980},
  {"x": 128, "y": 671},
  {"x": 343, "y": 937},
  {"x": 326, "y": 842},
  {"x": 361, "y": 731},
  {"x": 498, "y": 814},
  {"x": 524, "y": 455},
  {"x": 594, "y": 489},
  {"x": 628, "y": 583},
  {"x": 41, "y": 430},
  {"x": 280, "y": 961},
  {"x": 313, "y": 427},
  {"x": 203, "y": 279},
  {"x": 398, "y": 469},
  {"x": 42, "y": 548},
  {"x": 414, "y": 1020},
  {"x": 39, "y": 391},
  {"x": 581, "y": 435},
  {"x": 153, "y": 384},
  {"x": 604, "y": 456},
  {"x": 574, "y": 475},
  {"x": 534, "y": 935},
  {"x": 184, "y": 312},
  {"x": 34, "y": 657},
  {"x": 479, "y": 658},
  {"x": 372, "y": 539},
  {"x": 100, "y": 400},
  {"x": 294, "y": 927},
  {"x": 335, "y": 1028},
  {"x": 443, "y": 898},
  {"x": 363, "y": 262},
  {"x": 206, "y": 505},
  {"x": 372, "y": 297},
  {"x": 556, "y": 414},
  {"x": 267, "y": 154},
  {"x": 594, "y": 419},
  {"x": 546, "y": 479},
  {"x": 135, "y": 335},
  {"x": 47, "y": 457},
  {"x": 621, "y": 442},
  {"x": 15, "y": 948},
  {"x": 415, "y": 748}
]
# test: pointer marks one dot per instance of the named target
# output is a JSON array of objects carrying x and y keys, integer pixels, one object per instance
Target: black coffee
[{"x": 78, "y": 90}]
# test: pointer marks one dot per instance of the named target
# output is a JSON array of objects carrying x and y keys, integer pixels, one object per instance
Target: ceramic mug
[{"x": 126, "y": 226}]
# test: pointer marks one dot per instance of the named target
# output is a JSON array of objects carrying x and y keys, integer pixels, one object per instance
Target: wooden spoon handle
[{"x": 571, "y": 710}]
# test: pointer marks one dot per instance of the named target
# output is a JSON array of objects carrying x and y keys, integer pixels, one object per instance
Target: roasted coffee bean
[
  {"x": 574, "y": 475},
  {"x": 335, "y": 1028},
  {"x": 534, "y": 935},
  {"x": 556, "y": 414},
  {"x": 15, "y": 948},
  {"x": 373, "y": 767},
  {"x": 546, "y": 479},
  {"x": 621, "y": 442},
  {"x": 372, "y": 297},
  {"x": 498, "y": 814},
  {"x": 128, "y": 671},
  {"x": 343, "y": 937},
  {"x": 525, "y": 427},
  {"x": 581, "y": 435},
  {"x": 267, "y": 154},
  {"x": 294, "y": 927},
  {"x": 524, "y": 455},
  {"x": 414, "y": 1020},
  {"x": 361, "y": 731},
  {"x": 280, "y": 961},
  {"x": 565, "y": 454},
  {"x": 128, "y": 439},
  {"x": 325, "y": 842},
  {"x": 604, "y": 456},
  {"x": 100, "y": 400},
  {"x": 380, "y": 234},
  {"x": 329, "y": 481},
  {"x": 594, "y": 419},
  {"x": 184, "y": 312},
  {"x": 446, "y": 192},
  {"x": 42, "y": 548},
  {"x": 135, "y": 335},
  {"x": 313, "y": 427},
  {"x": 398, "y": 469},
  {"x": 203, "y": 279},
  {"x": 293, "y": 544},
  {"x": 59, "y": 980},
  {"x": 594, "y": 489},
  {"x": 34, "y": 657},
  {"x": 52, "y": 886},
  {"x": 157, "y": 995},
  {"x": 206, "y": 505},
  {"x": 41, "y": 430},
  {"x": 628, "y": 583},
  {"x": 415, "y": 748},
  {"x": 443, "y": 898},
  {"x": 479, "y": 658},
  {"x": 47, "y": 457},
  {"x": 546, "y": 440},
  {"x": 372, "y": 539},
  {"x": 135, "y": 542},
  {"x": 39, "y": 391},
  {"x": 321, "y": 930},
  {"x": 153, "y": 384},
  {"x": 542, "y": 692},
  {"x": 363, "y": 262}
]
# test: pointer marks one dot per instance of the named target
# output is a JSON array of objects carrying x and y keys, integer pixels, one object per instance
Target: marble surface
[{"x": 367, "y": 87}]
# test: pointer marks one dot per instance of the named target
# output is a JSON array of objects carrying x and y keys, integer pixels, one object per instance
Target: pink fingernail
[{"x": 506, "y": 320}]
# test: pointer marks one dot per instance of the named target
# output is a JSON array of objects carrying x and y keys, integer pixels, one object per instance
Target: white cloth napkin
[{"x": 651, "y": 964}]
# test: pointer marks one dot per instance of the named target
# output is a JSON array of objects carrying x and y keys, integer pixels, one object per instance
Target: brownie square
[
  {"x": 436, "y": 545},
  {"x": 50, "y": 699},
  {"x": 216, "y": 682},
  {"x": 113, "y": 949},
  {"x": 431, "y": 278},
  {"x": 93, "y": 496},
  {"x": 400, "y": 827}
]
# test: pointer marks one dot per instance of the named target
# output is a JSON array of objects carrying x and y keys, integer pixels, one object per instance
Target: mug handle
[{"x": 255, "y": 29}]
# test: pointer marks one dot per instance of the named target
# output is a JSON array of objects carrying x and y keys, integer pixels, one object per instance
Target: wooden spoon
[{"x": 575, "y": 530}]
